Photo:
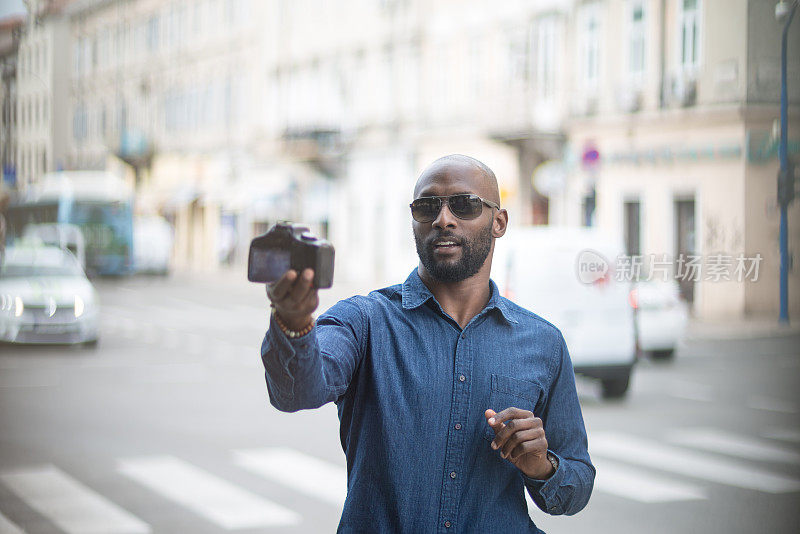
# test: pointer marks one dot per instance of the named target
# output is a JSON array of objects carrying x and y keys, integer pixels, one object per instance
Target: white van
[
  {"x": 152, "y": 244},
  {"x": 568, "y": 276}
]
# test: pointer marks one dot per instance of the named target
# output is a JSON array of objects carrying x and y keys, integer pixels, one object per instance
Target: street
[{"x": 166, "y": 427}]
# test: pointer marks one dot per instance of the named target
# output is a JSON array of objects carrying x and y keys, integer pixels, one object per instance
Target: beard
[{"x": 473, "y": 255}]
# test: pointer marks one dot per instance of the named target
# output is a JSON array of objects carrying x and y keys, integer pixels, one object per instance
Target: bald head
[{"x": 473, "y": 174}]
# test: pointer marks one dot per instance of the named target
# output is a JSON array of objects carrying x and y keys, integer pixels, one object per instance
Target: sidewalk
[{"x": 740, "y": 328}]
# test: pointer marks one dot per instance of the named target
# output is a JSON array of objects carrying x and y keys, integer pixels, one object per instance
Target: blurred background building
[
  {"x": 654, "y": 120},
  {"x": 10, "y": 32}
]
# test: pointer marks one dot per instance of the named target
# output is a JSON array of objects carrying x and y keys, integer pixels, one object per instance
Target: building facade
[
  {"x": 684, "y": 133},
  {"x": 41, "y": 81},
  {"x": 10, "y": 33},
  {"x": 652, "y": 119},
  {"x": 656, "y": 119},
  {"x": 172, "y": 89}
]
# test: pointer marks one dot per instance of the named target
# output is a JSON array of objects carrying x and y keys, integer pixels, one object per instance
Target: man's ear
[{"x": 500, "y": 223}]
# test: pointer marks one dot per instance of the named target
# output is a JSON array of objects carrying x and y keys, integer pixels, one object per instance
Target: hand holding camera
[
  {"x": 294, "y": 298},
  {"x": 295, "y": 264}
]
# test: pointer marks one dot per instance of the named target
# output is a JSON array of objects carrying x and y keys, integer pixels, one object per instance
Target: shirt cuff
[
  {"x": 290, "y": 346},
  {"x": 280, "y": 354},
  {"x": 548, "y": 489}
]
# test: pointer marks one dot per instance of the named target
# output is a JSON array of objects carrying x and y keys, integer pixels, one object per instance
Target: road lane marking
[
  {"x": 651, "y": 453},
  {"x": 220, "y": 502},
  {"x": 73, "y": 507},
  {"x": 171, "y": 373},
  {"x": 783, "y": 434},
  {"x": 631, "y": 483},
  {"x": 691, "y": 391},
  {"x": 7, "y": 527},
  {"x": 714, "y": 440},
  {"x": 28, "y": 380},
  {"x": 306, "y": 474},
  {"x": 758, "y": 402}
]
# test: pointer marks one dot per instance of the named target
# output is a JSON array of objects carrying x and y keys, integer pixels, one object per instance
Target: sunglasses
[{"x": 464, "y": 206}]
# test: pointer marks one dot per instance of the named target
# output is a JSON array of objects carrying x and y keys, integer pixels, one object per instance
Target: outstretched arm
[{"x": 316, "y": 368}]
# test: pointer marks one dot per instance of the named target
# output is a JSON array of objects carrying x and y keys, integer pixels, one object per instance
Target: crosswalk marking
[
  {"x": 69, "y": 504},
  {"x": 649, "y": 453},
  {"x": 215, "y": 499},
  {"x": 631, "y": 483},
  {"x": 299, "y": 471},
  {"x": 7, "y": 527},
  {"x": 743, "y": 446}
]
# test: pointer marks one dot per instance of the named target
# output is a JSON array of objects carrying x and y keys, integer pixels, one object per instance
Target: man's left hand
[{"x": 519, "y": 436}]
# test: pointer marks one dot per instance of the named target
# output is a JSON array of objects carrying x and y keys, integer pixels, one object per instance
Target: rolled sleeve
[
  {"x": 568, "y": 490},
  {"x": 314, "y": 369}
]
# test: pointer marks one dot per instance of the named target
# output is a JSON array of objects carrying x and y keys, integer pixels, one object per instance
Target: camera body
[{"x": 290, "y": 246}]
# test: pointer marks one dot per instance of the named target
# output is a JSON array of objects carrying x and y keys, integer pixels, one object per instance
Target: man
[{"x": 451, "y": 398}]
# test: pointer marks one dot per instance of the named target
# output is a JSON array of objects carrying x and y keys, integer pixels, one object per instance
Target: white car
[
  {"x": 661, "y": 316},
  {"x": 66, "y": 236},
  {"x": 45, "y": 297},
  {"x": 568, "y": 276}
]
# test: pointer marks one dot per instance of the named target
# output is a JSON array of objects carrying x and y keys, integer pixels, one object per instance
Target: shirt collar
[{"x": 415, "y": 293}]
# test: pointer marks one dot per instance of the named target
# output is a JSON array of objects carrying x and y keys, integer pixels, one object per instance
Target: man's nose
[{"x": 445, "y": 218}]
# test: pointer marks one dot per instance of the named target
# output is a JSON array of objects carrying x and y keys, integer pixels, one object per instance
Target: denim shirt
[{"x": 411, "y": 389}]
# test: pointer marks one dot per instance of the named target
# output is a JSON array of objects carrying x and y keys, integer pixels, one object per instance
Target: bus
[{"x": 97, "y": 202}]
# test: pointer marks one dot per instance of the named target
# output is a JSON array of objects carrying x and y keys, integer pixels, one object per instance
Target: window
[
  {"x": 636, "y": 39},
  {"x": 589, "y": 46},
  {"x": 517, "y": 65},
  {"x": 94, "y": 52},
  {"x": 79, "y": 122},
  {"x": 152, "y": 33},
  {"x": 689, "y": 40},
  {"x": 76, "y": 59},
  {"x": 589, "y": 205},
  {"x": 104, "y": 48},
  {"x": 632, "y": 211},
  {"x": 684, "y": 220},
  {"x": 196, "y": 19},
  {"x": 543, "y": 54},
  {"x": 474, "y": 73}
]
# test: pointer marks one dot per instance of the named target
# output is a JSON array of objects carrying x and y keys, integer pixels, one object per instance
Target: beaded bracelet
[{"x": 293, "y": 334}]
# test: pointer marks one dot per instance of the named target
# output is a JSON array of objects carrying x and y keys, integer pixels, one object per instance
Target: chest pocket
[{"x": 507, "y": 392}]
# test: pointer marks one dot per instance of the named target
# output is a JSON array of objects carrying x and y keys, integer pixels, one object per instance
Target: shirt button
[
  {"x": 458, "y": 426},
  {"x": 452, "y": 474},
  {"x": 461, "y": 378},
  {"x": 447, "y": 524}
]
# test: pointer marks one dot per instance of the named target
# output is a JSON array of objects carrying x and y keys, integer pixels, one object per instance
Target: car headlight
[
  {"x": 79, "y": 306},
  {"x": 19, "y": 306}
]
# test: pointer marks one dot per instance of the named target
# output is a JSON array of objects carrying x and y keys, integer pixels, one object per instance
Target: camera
[{"x": 290, "y": 246}]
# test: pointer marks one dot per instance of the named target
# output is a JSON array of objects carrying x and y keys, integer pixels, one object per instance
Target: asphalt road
[{"x": 165, "y": 427}]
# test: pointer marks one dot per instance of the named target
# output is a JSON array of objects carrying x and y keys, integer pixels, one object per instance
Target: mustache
[{"x": 445, "y": 235}]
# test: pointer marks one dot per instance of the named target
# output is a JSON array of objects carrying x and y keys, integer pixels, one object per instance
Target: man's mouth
[{"x": 445, "y": 244}]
